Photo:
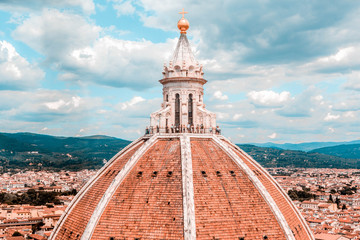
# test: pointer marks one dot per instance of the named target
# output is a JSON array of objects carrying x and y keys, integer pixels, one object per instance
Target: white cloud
[
  {"x": 15, "y": 71},
  {"x": 72, "y": 46},
  {"x": 124, "y": 8},
  {"x": 74, "y": 102},
  {"x": 219, "y": 95},
  {"x": 331, "y": 117},
  {"x": 55, "y": 34},
  {"x": 353, "y": 82},
  {"x": 273, "y": 135},
  {"x": 87, "y": 6},
  {"x": 268, "y": 98},
  {"x": 135, "y": 100}
]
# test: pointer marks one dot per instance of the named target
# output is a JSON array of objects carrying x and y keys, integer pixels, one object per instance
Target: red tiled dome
[{"x": 182, "y": 186}]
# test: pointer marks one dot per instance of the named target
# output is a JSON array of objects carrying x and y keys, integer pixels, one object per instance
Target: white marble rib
[
  {"x": 113, "y": 186},
  {"x": 188, "y": 189},
  {"x": 87, "y": 186},
  {"x": 261, "y": 188},
  {"x": 298, "y": 214}
]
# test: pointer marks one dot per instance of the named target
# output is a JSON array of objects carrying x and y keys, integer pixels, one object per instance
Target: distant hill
[
  {"x": 308, "y": 146},
  {"x": 344, "y": 151},
  {"x": 35, "y": 151},
  {"x": 273, "y": 157},
  {"x": 29, "y": 150}
]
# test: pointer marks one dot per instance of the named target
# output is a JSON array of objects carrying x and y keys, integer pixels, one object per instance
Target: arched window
[
  {"x": 167, "y": 97},
  {"x": 190, "y": 109},
  {"x": 177, "y": 110}
]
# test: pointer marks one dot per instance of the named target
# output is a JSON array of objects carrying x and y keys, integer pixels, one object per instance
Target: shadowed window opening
[
  {"x": 111, "y": 238},
  {"x": 190, "y": 109},
  {"x": 173, "y": 219},
  {"x": 241, "y": 238},
  {"x": 168, "y": 203},
  {"x": 177, "y": 110},
  {"x": 204, "y": 173},
  {"x": 265, "y": 237},
  {"x": 139, "y": 174},
  {"x": 154, "y": 174},
  {"x": 169, "y": 174},
  {"x": 232, "y": 173},
  {"x": 218, "y": 173}
]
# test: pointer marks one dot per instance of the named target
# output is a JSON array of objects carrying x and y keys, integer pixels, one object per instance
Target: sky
[{"x": 277, "y": 70}]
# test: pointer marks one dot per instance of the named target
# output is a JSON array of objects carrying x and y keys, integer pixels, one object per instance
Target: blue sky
[{"x": 279, "y": 71}]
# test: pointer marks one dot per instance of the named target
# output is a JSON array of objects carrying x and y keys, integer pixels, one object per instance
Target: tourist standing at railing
[
  {"x": 202, "y": 128},
  {"x": 197, "y": 128},
  {"x": 172, "y": 128},
  {"x": 210, "y": 130},
  {"x": 188, "y": 127},
  {"x": 157, "y": 128},
  {"x": 147, "y": 130},
  {"x": 192, "y": 128}
]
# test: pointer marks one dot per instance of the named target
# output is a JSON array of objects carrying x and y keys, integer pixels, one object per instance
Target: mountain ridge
[{"x": 38, "y": 151}]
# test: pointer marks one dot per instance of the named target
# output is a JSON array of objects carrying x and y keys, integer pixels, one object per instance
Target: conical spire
[{"x": 183, "y": 56}]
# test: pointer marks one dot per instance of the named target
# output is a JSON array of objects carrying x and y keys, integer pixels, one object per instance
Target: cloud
[
  {"x": 353, "y": 82},
  {"x": 268, "y": 98},
  {"x": 87, "y": 6},
  {"x": 265, "y": 32},
  {"x": 55, "y": 34},
  {"x": 272, "y": 136},
  {"x": 73, "y": 46},
  {"x": 220, "y": 96},
  {"x": 123, "y": 7},
  {"x": 46, "y": 106},
  {"x": 135, "y": 100},
  {"x": 15, "y": 71},
  {"x": 330, "y": 117}
]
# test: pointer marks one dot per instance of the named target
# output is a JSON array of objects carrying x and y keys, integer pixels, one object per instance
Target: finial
[
  {"x": 183, "y": 24},
  {"x": 183, "y": 12}
]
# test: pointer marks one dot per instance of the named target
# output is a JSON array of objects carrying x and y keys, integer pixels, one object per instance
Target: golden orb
[{"x": 183, "y": 25}]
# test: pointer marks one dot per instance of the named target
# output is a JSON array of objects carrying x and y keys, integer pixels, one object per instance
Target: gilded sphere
[{"x": 183, "y": 25}]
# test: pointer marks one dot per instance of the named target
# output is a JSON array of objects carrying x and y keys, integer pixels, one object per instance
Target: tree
[{"x": 330, "y": 199}]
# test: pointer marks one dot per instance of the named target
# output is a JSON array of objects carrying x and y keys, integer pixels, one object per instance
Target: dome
[
  {"x": 182, "y": 180},
  {"x": 182, "y": 186}
]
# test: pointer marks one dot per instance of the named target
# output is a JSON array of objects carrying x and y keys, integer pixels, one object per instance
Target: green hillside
[
  {"x": 344, "y": 151},
  {"x": 271, "y": 157},
  {"x": 35, "y": 151}
]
